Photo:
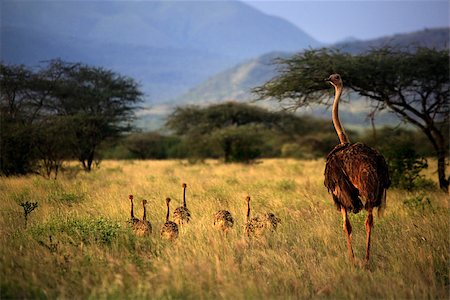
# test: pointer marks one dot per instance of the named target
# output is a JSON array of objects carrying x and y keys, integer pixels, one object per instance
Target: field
[{"x": 77, "y": 243}]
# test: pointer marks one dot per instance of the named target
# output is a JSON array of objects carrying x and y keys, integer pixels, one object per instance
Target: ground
[{"x": 92, "y": 253}]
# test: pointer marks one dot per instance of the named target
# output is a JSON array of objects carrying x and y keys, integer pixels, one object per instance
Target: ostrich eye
[{"x": 337, "y": 76}]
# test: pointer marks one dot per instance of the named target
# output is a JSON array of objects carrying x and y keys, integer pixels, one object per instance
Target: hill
[
  {"x": 237, "y": 82},
  {"x": 437, "y": 38},
  {"x": 168, "y": 46}
]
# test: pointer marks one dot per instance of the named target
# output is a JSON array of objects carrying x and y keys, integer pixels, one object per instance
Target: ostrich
[
  {"x": 170, "y": 229},
  {"x": 354, "y": 173},
  {"x": 133, "y": 220},
  {"x": 143, "y": 227},
  {"x": 182, "y": 214},
  {"x": 258, "y": 225},
  {"x": 223, "y": 220}
]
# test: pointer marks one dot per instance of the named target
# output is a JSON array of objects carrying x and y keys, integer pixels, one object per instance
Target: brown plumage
[
  {"x": 270, "y": 221},
  {"x": 223, "y": 220},
  {"x": 133, "y": 219},
  {"x": 259, "y": 225},
  {"x": 355, "y": 174},
  {"x": 169, "y": 230},
  {"x": 182, "y": 214},
  {"x": 143, "y": 227}
]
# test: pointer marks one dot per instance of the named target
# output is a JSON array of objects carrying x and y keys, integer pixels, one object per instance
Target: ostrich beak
[{"x": 327, "y": 79}]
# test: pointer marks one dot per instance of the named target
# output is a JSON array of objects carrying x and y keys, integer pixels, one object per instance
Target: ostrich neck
[
  {"x": 132, "y": 213},
  {"x": 184, "y": 197},
  {"x": 335, "y": 114},
  {"x": 167, "y": 215},
  {"x": 248, "y": 211},
  {"x": 144, "y": 217}
]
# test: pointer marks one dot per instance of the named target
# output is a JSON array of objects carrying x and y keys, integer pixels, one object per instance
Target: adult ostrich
[{"x": 354, "y": 173}]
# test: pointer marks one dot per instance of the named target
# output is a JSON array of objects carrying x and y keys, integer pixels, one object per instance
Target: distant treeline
[
  {"x": 236, "y": 132},
  {"x": 155, "y": 145},
  {"x": 70, "y": 111}
]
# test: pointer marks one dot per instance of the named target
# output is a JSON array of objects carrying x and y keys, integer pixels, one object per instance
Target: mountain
[
  {"x": 236, "y": 83},
  {"x": 437, "y": 38},
  {"x": 167, "y": 46}
]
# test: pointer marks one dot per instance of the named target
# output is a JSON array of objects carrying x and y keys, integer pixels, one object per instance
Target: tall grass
[{"x": 77, "y": 243}]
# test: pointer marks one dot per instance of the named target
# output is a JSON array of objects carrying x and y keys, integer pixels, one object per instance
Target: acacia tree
[
  {"x": 413, "y": 85},
  {"x": 52, "y": 135},
  {"x": 238, "y": 143},
  {"x": 17, "y": 115},
  {"x": 218, "y": 129},
  {"x": 98, "y": 102},
  {"x": 87, "y": 104},
  {"x": 149, "y": 145}
]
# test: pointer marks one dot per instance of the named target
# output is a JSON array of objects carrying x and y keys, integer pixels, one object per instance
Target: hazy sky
[{"x": 330, "y": 21}]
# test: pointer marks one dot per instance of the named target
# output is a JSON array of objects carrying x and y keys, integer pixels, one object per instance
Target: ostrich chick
[
  {"x": 254, "y": 225},
  {"x": 182, "y": 214},
  {"x": 133, "y": 220},
  {"x": 143, "y": 227},
  {"x": 169, "y": 230},
  {"x": 258, "y": 225},
  {"x": 223, "y": 220}
]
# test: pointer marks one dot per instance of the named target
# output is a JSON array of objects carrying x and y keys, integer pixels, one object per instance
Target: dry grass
[{"x": 93, "y": 254}]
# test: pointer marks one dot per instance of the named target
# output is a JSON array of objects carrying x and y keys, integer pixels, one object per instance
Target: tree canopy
[
  {"x": 238, "y": 131},
  {"x": 201, "y": 120},
  {"x": 79, "y": 104},
  {"x": 413, "y": 85}
]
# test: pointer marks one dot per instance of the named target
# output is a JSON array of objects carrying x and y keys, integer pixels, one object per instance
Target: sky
[{"x": 332, "y": 21}]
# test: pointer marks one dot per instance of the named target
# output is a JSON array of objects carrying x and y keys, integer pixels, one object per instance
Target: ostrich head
[
  {"x": 167, "y": 200},
  {"x": 144, "y": 202},
  {"x": 130, "y": 197},
  {"x": 247, "y": 199},
  {"x": 335, "y": 80},
  {"x": 184, "y": 185}
]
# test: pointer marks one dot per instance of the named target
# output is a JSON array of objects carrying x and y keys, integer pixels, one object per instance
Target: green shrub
[
  {"x": 405, "y": 169},
  {"x": 418, "y": 203},
  {"x": 13, "y": 290},
  {"x": 66, "y": 197},
  {"x": 422, "y": 183},
  {"x": 404, "y": 161},
  {"x": 98, "y": 230},
  {"x": 58, "y": 193}
]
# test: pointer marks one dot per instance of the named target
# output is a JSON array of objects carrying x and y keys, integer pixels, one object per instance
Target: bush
[
  {"x": 239, "y": 132},
  {"x": 149, "y": 145},
  {"x": 405, "y": 170},
  {"x": 86, "y": 230},
  {"x": 418, "y": 203},
  {"x": 399, "y": 147},
  {"x": 17, "y": 155}
]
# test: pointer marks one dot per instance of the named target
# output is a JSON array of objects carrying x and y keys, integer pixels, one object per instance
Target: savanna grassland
[{"x": 92, "y": 253}]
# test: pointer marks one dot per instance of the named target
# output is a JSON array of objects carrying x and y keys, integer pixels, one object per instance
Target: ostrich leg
[
  {"x": 348, "y": 233},
  {"x": 369, "y": 225}
]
